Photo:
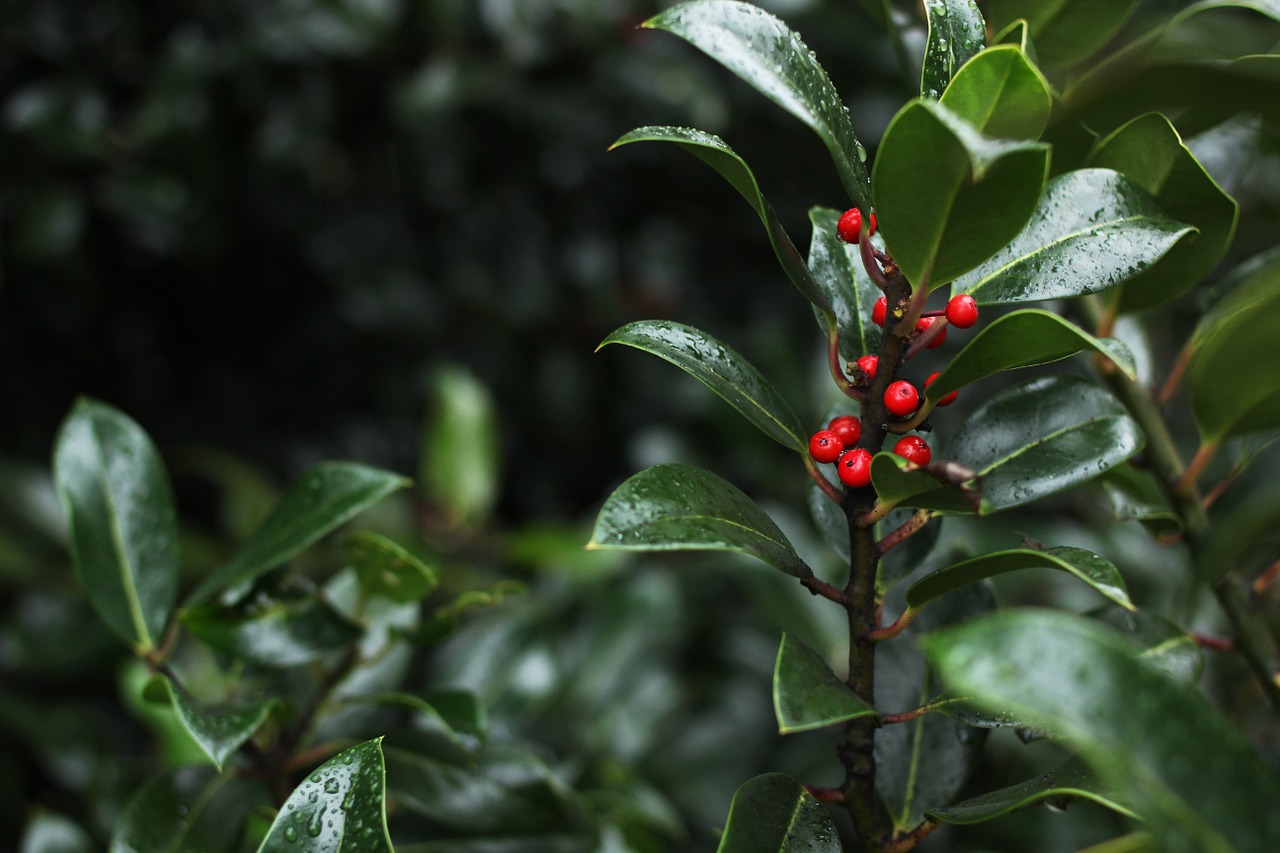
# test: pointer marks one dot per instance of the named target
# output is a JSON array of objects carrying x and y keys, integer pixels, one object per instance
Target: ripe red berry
[
  {"x": 962, "y": 311},
  {"x": 849, "y": 226},
  {"x": 901, "y": 398},
  {"x": 879, "y": 311},
  {"x": 847, "y": 428},
  {"x": 947, "y": 400},
  {"x": 924, "y": 324},
  {"x": 913, "y": 448},
  {"x": 825, "y": 446},
  {"x": 867, "y": 364},
  {"x": 854, "y": 468}
]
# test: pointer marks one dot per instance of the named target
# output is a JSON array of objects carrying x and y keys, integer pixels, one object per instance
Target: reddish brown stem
[
  {"x": 905, "y": 716},
  {"x": 833, "y": 364},
  {"x": 899, "y": 625},
  {"x": 1170, "y": 386},
  {"x": 1264, "y": 580},
  {"x": 869, "y": 262},
  {"x": 833, "y": 796},
  {"x": 821, "y": 588},
  {"x": 828, "y": 488},
  {"x": 1204, "y": 455},
  {"x": 908, "y": 840},
  {"x": 912, "y": 526},
  {"x": 1217, "y": 644}
]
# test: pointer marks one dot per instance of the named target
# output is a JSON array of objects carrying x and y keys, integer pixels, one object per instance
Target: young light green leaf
[
  {"x": 806, "y": 693},
  {"x": 1002, "y": 94},
  {"x": 1092, "y": 229},
  {"x": 837, "y": 269},
  {"x": 901, "y": 483},
  {"x": 761, "y": 50},
  {"x": 956, "y": 33},
  {"x": 326, "y": 496},
  {"x": 120, "y": 514},
  {"x": 460, "y": 457},
  {"x": 934, "y": 169},
  {"x": 1181, "y": 765},
  {"x": 218, "y": 731},
  {"x": 1042, "y": 437},
  {"x": 1149, "y": 151},
  {"x": 1065, "y": 31},
  {"x": 715, "y": 153},
  {"x": 388, "y": 569},
  {"x": 279, "y": 634},
  {"x": 340, "y": 808},
  {"x": 676, "y": 507},
  {"x": 1073, "y": 779},
  {"x": 722, "y": 370},
  {"x": 773, "y": 813},
  {"x": 192, "y": 809}
]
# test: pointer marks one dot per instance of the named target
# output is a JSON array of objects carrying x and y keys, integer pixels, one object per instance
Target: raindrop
[
  {"x": 331, "y": 785},
  {"x": 290, "y": 834}
]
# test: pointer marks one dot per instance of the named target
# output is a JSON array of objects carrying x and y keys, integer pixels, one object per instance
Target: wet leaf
[
  {"x": 220, "y": 730},
  {"x": 1093, "y": 229},
  {"x": 932, "y": 171},
  {"x": 774, "y": 814},
  {"x": 956, "y": 34},
  {"x": 722, "y": 370},
  {"x": 679, "y": 507},
  {"x": 1182, "y": 766},
  {"x": 902, "y": 483},
  {"x": 387, "y": 569},
  {"x": 460, "y": 464},
  {"x": 761, "y": 50},
  {"x": 837, "y": 269},
  {"x": 806, "y": 693},
  {"x": 278, "y": 634},
  {"x": 1065, "y": 31},
  {"x": 192, "y": 809},
  {"x": 1071, "y": 780},
  {"x": 120, "y": 513},
  {"x": 1002, "y": 94},
  {"x": 1138, "y": 496}
]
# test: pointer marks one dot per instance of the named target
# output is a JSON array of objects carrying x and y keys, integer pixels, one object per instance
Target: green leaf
[
  {"x": 1070, "y": 780},
  {"x": 806, "y": 693},
  {"x": 715, "y": 153},
  {"x": 956, "y": 34},
  {"x": 907, "y": 556},
  {"x": 1138, "y": 496},
  {"x": 325, "y": 497},
  {"x": 120, "y": 513},
  {"x": 192, "y": 809},
  {"x": 1042, "y": 437},
  {"x": 1160, "y": 643},
  {"x": 679, "y": 507},
  {"x": 1002, "y": 94},
  {"x": 761, "y": 50},
  {"x": 432, "y": 731},
  {"x": 1182, "y": 766},
  {"x": 461, "y": 449},
  {"x": 1234, "y": 375},
  {"x": 218, "y": 731},
  {"x": 386, "y": 568},
  {"x": 1023, "y": 338},
  {"x": 279, "y": 634},
  {"x": 1149, "y": 151},
  {"x": 934, "y": 170},
  {"x": 50, "y": 832},
  {"x": 837, "y": 269},
  {"x": 774, "y": 814},
  {"x": 1093, "y": 229},
  {"x": 1243, "y": 539},
  {"x": 722, "y": 370},
  {"x": 340, "y": 807},
  {"x": 901, "y": 483},
  {"x": 1065, "y": 31}
]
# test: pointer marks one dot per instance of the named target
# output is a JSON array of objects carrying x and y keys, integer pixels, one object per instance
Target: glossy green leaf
[
  {"x": 956, "y": 34},
  {"x": 1149, "y": 151},
  {"x": 1137, "y": 495},
  {"x": 460, "y": 462},
  {"x": 1018, "y": 34},
  {"x": 679, "y": 507},
  {"x": 432, "y": 732},
  {"x": 388, "y": 569},
  {"x": 192, "y": 809},
  {"x": 806, "y": 693},
  {"x": 773, "y": 813},
  {"x": 901, "y": 483},
  {"x": 1181, "y": 765},
  {"x": 1065, "y": 31},
  {"x": 1002, "y": 94},
  {"x": 722, "y": 370},
  {"x": 1093, "y": 229},
  {"x": 328, "y": 495},
  {"x": 715, "y": 153},
  {"x": 760, "y": 49},
  {"x": 837, "y": 269},
  {"x": 278, "y": 634},
  {"x": 339, "y": 808},
  {"x": 1072, "y": 780},
  {"x": 1023, "y": 338},
  {"x": 220, "y": 730},
  {"x": 1160, "y": 643},
  {"x": 933, "y": 170},
  {"x": 1234, "y": 374},
  {"x": 1044, "y": 436},
  {"x": 120, "y": 514}
]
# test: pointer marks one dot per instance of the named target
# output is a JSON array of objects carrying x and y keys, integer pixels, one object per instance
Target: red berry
[
  {"x": 854, "y": 468},
  {"x": 947, "y": 400},
  {"x": 879, "y": 311},
  {"x": 847, "y": 428},
  {"x": 913, "y": 449},
  {"x": 924, "y": 324},
  {"x": 867, "y": 364},
  {"x": 962, "y": 311},
  {"x": 849, "y": 226},
  {"x": 825, "y": 446},
  {"x": 901, "y": 398}
]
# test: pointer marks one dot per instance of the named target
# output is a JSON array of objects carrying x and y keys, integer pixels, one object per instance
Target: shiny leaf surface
[
  {"x": 192, "y": 809},
  {"x": 956, "y": 33},
  {"x": 806, "y": 693},
  {"x": 1002, "y": 94},
  {"x": 1073, "y": 779},
  {"x": 1138, "y": 496},
  {"x": 1097, "y": 572},
  {"x": 837, "y": 269},
  {"x": 218, "y": 731},
  {"x": 901, "y": 483},
  {"x": 388, "y": 569},
  {"x": 1065, "y": 31},
  {"x": 279, "y": 634},
  {"x": 774, "y": 814}
]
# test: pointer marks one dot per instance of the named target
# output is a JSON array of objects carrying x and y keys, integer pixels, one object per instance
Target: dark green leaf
[
  {"x": 837, "y": 269},
  {"x": 1244, "y": 538},
  {"x": 829, "y": 518},
  {"x": 326, "y": 496},
  {"x": 120, "y": 513},
  {"x": 1002, "y": 94},
  {"x": 277, "y": 634},
  {"x": 934, "y": 169},
  {"x": 806, "y": 693},
  {"x": 956, "y": 34},
  {"x": 1065, "y": 31},
  {"x": 677, "y": 507},
  {"x": 761, "y": 50},
  {"x": 1093, "y": 229},
  {"x": 901, "y": 483},
  {"x": 431, "y": 733},
  {"x": 338, "y": 808},
  {"x": 1138, "y": 496},
  {"x": 461, "y": 447},
  {"x": 722, "y": 370},
  {"x": 386, "y": 568},
  {"x": 1181, "y": 765},
  {"x": 774, "y": 814},
  {"x": 219, "y": 731},
  {"x": 1070, "y": 780},
  {"x": 1161, "y": 643},
  {"x": 1042, "y": 437},
  {"x": 192, "y": 809}
]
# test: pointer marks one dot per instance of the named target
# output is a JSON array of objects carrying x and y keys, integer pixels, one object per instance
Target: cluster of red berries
[{"x": 853, "y": 464}]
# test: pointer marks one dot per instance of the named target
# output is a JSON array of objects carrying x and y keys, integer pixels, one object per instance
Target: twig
[
  {"x": 833, "y": 796},
  {"x": 821, "y": 588},
  {"x": 908, "y": 840},
  {"x": 1217, "y": 644},
  {"x": 913, "y": 525}
]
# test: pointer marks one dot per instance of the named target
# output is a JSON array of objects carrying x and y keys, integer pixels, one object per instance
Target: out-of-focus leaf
[
  {"x": 679, "y": 507},
  {"x": 120, "y": 511},
  {"x": 1065, "y": 31},
  {"x": 722, "y": 370},
  {"x": 460, "y": 465},
  {"x": 278, "y": 634},
  {"x": 806, "y": 693},
  {"x": 1243, "y": 538},
  {"x": 774, "y": 814},
  {"x": 189, "y": 809},
  {"x": 50, "y": 832},
  {"x": 386, "y": 568},
  {"x": 837, "y": 269},
  {"x": 956, "y": 34},
  {"x": 1070, "y": 780},
  {"x": 1160, "y": 643},
  {"x": 218, "y": 731},
  {"x": 1002, "y": 94},
  {"x": 1137, "y": 496}
]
